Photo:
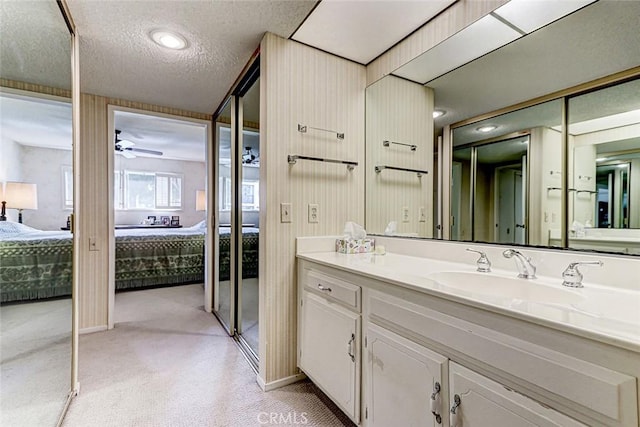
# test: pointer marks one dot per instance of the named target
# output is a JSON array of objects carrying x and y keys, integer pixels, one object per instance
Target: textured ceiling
[
  {"x": 118, "y": 59},
  {"x": 35, "y": 45}
]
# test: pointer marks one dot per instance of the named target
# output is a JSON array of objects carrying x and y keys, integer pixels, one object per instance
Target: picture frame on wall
[
  {"x": 175, "y": 218},
  {"x": 164, "y": 220}
]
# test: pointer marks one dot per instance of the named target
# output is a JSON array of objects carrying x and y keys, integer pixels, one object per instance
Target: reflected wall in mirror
[
  {"x": 36, "y": 310},
  {"x": 604, "y": 184},
  {"x": 399, "y": 158},
  {"x": 513, "y": 164}
]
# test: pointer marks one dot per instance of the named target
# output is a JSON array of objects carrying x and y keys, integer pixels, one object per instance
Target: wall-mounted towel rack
[
  {"x": 303, "y": 129},
  {"x": 416, "y": 171},
  {"x": 386, "y": 143},
  {"x": 293, "y": 158}
]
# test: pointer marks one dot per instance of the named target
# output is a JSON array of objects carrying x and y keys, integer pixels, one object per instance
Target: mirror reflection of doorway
[
  {"x": 489, "y": 191},
  {"x": 612, "y": 187}
]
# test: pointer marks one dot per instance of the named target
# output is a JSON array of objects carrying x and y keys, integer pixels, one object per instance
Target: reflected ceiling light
[
  {"x": 438, "y": 113},
  {"x": 528, "y": 15},
  {"x": 601, "y": 159},
  {"x": 486, "y": 128},
  {"x": 168, "y": 39}
]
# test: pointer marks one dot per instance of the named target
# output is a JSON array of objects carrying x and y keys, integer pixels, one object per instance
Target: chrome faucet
[
  {"x": 526, "y": 270},
  {"x": 483, "y": 263},
  {"x": 572, "y": 277}
]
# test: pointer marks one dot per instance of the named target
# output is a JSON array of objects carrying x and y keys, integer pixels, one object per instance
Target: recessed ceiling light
[
  {"x": 168, "y": 39},
  {"x": 438, "y": 113},
  {"x": 486, "y": 128}
]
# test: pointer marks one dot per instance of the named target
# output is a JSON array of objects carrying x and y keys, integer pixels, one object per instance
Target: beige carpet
[
  {"x": 35, "y": 368},
  {"x": 168, "y": 363}
]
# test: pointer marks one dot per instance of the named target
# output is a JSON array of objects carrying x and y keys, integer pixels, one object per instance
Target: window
[
  {"x": 147, "y": 190},
  {"x": 67, "y": 187},
  {"x": 250, "y": 196}
]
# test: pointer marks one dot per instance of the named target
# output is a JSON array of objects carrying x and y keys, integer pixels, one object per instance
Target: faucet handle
[
  {"x": 484, "y": 265},
  {"x": 572, "y": 277}
]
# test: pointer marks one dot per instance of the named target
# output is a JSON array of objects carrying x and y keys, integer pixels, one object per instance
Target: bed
[{"x": 36, "y": 264}]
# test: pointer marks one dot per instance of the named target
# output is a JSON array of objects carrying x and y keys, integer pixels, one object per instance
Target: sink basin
[{"x": 506, "y": 287}]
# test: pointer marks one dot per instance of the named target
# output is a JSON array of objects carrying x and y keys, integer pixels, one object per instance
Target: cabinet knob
[
  {"x": 454, "y": 418},
  {"x": 350, "y": 351},
  {"x": 324, "y": 288},
  {"x": 436, "y": 402}
]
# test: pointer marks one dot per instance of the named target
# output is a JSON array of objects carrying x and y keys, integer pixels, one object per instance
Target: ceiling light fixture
[
  {"x": 168, "y": 39},
  {"x": 438, "y": 113},
  {"x": 486, "y": 128}
]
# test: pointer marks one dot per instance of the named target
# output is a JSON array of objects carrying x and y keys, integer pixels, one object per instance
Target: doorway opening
[{"x": 157, "y": 185}]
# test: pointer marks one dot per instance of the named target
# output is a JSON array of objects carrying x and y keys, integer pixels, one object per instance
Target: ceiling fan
[{"x": 127, "y": 149}]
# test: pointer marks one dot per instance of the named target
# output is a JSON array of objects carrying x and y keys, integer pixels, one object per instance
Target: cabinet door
[
  {"x": 330, "y": 351},
  {"x": 401, "y": 377},
  {"x": 484, "y": 402}
]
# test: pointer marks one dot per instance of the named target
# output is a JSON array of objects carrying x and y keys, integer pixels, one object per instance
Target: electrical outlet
[
  {"x": 285, "y": 212},
  {"x": 314, "y": 213},
  {"x": 422, "y": 214},
  {"x": 405, "y": 214}
]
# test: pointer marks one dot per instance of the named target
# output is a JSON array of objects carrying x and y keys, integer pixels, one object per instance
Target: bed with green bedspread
[{"x": 37, "y": 265}]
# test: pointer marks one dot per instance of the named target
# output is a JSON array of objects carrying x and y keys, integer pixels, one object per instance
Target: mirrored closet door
[
  {"x": 235, "y": 295},
  {"x": 36, "y": 185}
]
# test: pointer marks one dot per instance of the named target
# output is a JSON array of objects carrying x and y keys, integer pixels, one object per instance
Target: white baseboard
[
  {"x": 92, "y": 329},
  {"x": 279, "y": 383}
]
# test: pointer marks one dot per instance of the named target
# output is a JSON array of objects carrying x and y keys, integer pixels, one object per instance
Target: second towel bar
[
  {"x": 416, "y": 171},
  {"x": 292, "y": 159}
]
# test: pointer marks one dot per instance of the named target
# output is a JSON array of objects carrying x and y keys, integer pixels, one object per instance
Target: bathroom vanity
[{"x": 407, "y": 340}]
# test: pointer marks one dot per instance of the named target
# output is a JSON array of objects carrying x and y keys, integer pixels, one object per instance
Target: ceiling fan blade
[
  {"x": 143, "y": 150},
  {"x": 125, "y": 143}
]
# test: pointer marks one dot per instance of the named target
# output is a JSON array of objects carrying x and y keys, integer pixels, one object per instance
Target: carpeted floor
[
  {"x": 35, "y": 368},
  {"x": 169, "y": 363}
]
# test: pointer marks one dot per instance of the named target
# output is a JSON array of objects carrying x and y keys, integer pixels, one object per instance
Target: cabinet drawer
[{"x": 334, "y": 289}]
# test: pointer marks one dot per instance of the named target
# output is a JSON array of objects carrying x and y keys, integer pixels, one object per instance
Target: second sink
[{"x": 505, "y": 287}]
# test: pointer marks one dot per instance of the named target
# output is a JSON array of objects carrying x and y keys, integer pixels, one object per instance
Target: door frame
[{"x": 208, "y": 241}]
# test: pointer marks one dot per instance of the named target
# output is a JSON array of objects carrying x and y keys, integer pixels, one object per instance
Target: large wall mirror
[
  {"x": 35, "y": 159},
  {"x": 499, "y": 106}
]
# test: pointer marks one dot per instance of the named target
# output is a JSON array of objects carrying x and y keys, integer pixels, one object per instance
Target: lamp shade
[
  {"x": 201, "y": 200},
  {"x": 21, "y": 195}
]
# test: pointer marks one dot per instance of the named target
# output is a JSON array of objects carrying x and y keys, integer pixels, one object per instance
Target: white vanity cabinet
[
  {"x": 505, "y": 371},
  {"x": 405, "y": 382},
  {"x": 329, "y": 339}
]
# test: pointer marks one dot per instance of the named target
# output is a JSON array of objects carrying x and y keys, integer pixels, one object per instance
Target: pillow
[
  {"x": 202, "y": 225},
  {"x": 8, "y": 227}
]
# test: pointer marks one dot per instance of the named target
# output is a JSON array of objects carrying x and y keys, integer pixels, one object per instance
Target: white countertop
[{"x": 610, "y": 315}]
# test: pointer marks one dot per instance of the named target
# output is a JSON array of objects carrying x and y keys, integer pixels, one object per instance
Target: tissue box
[{"x": 355, "y": 246}]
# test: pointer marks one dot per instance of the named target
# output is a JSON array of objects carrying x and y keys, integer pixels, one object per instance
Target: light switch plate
[
  {"x": 285, "y": 212},
  {"x": 422, "y": 214},
  {"x": 314, "y": 213},
  {"x": 405, "y": 214}
]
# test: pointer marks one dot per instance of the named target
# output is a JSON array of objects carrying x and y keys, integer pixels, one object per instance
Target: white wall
[
  {"x": 194, "y": 178},
  {"x": 302, "y": 85},
  {"x": 10, "y": 168},
  {"x": 43, "y": 166}
]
